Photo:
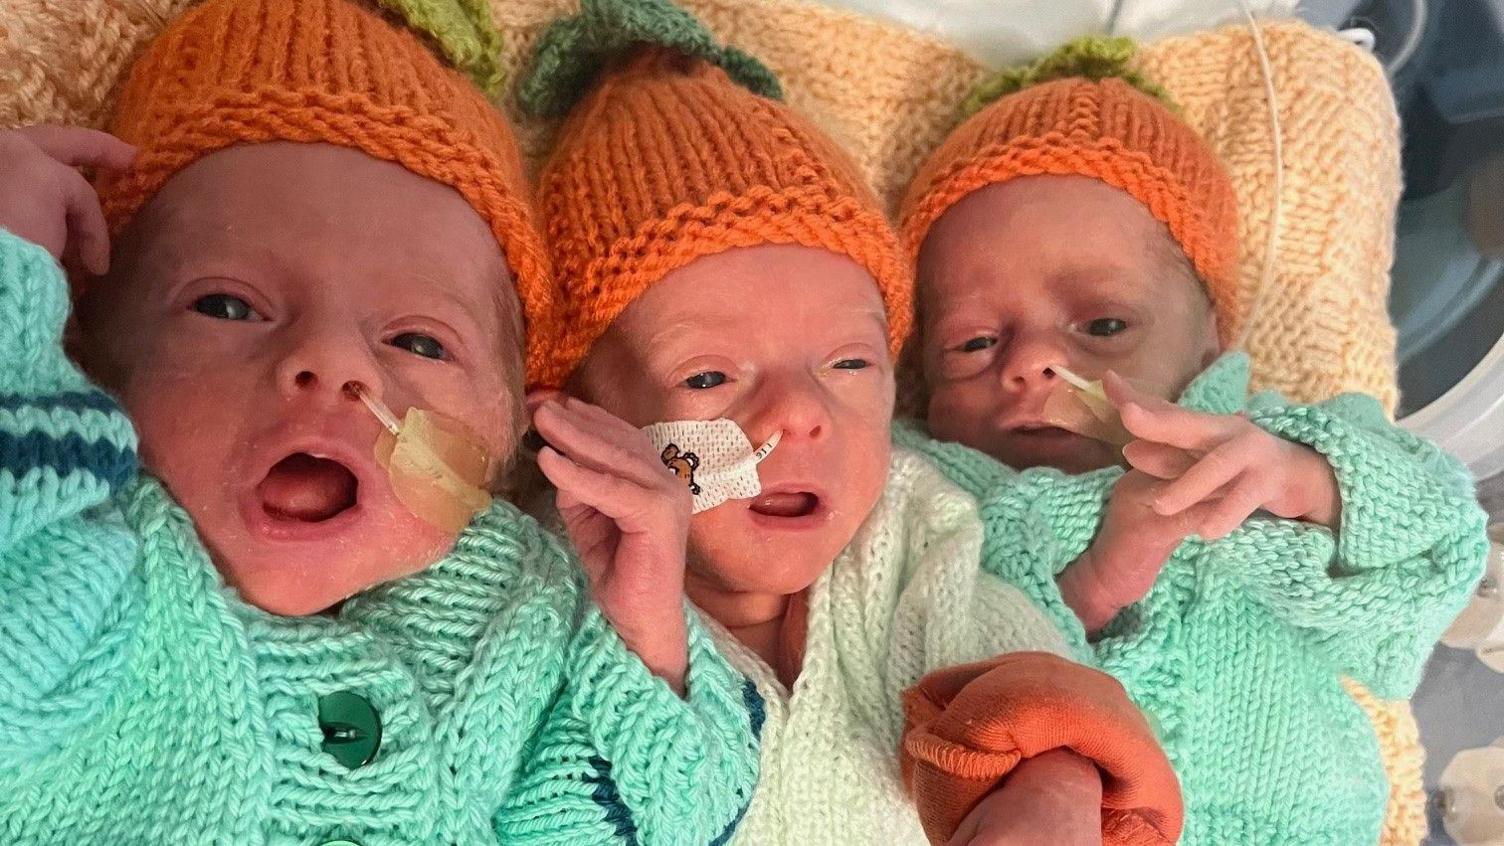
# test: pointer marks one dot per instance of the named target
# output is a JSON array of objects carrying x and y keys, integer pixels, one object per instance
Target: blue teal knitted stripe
[
  {"x": 620, "y": 817},
  {"x": 756, "y": 710},
  {"x": 609, "y": 800},
  {"x": 72, "y": 401},
  {"x": 21, "y": 454},
  {"x": 755, "y": 707}
]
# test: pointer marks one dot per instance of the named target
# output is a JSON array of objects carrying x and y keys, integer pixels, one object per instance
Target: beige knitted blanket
[{"x": 890, "y": 95}]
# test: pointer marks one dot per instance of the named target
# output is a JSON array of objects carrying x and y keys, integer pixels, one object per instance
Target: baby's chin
[
  {"x": 299, "y": 585},
  {"x": 302, "y": 577},
  {"x": 746, "y": 568}
]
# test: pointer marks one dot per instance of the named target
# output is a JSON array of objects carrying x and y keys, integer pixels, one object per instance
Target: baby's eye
[
  {"x": 979, "y": 343},
  {"x": 708, "y": 379},
  {"x": 852, "y": 364},
  {"x": 1106, "y": 327},
  {"x": 419, "y": 344},
  {"x": 224, "y": 307}
]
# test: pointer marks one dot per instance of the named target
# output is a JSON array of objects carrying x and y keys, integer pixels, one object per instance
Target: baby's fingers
[
  {"x": 78, "y": 147},
  {"x": 612, "y": 496},
  {"x": 1230, "y": 511},
  {"x": 1153, "y": 419},
  {"x": 569, "y": 431},
  {"x": 1158, "y": 460},
  {"x": 1203, "y": 479},
  {"x": 1120, "y": 392},
  {"x": 603, "y": 421},
  {"x": 88, "y": 235}
]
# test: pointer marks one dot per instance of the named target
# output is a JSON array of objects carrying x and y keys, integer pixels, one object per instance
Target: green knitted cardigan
[
  {"x": 141, "y": 701},
  {"x": 1237, "y": 651}
]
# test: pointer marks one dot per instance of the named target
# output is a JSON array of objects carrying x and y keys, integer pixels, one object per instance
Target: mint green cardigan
[
  {"x": 1237, "y": 651},
  {"x": 141, "y": 701}
]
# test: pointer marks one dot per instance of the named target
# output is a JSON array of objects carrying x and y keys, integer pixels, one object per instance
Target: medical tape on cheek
[
  {"x": 714, "y": 459},
  {"x": 438, "y": 468}
]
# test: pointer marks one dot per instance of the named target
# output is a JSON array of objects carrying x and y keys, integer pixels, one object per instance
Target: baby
[
  {"x": 722, "y": 263},
  {"x": 1253, "y": 552},
  {"x": 260, "y": 639}
]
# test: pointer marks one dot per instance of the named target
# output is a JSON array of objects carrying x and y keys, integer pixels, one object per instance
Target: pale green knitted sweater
[
  {"x": 142, "y": 702},
  {"x": 909, "y": 594},
  {"x": 1237, "y": 650}
]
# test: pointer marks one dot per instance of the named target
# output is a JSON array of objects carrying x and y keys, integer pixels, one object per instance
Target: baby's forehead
[
  {"x": 318, "y": 212},
  {"x": 1056, "y": 231}
]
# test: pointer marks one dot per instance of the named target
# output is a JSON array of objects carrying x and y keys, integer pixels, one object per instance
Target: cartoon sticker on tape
[{"x": 683, "y": 465}]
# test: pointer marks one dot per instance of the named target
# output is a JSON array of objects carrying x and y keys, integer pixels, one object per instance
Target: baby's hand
[
  {"x": 1054, "y": 799},
  {"x": 44, "y": 199},
  {"x": 1127, "y": 554},
  {"x": 628, "y": 517},
  {"x": 1219, "y": 468}
]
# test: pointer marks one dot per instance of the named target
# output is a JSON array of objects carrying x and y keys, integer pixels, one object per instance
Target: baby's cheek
[
  {"x": 401, "y": 544},
  {"x": 954, "y": 412},
  {"x": 183, "y": 439}
]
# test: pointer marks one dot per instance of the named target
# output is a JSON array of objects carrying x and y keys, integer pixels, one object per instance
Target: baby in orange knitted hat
[
  {"x": 1075, "y": 229},
  {"x": 306, "y": 620},
  {"x": 731, "y": 294}
]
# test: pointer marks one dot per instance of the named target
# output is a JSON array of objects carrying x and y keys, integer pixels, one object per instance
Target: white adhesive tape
[{"x": 713, "y": 457}]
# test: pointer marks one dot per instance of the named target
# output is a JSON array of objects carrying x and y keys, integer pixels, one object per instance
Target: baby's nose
[
  {"x": 1032, "y": 364},
  {"x": 325, "y": 367}
]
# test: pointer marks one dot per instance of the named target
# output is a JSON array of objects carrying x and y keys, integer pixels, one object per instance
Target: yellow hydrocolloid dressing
[{"x": 437, "y": 466}]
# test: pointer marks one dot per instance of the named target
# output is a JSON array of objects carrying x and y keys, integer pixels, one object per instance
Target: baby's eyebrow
[
  {"x": 684, "y": 328},
  {"x": 953, "y": 309},
  {"x": 464, "y": 316},
  {"x": 1096, "y": 275}
]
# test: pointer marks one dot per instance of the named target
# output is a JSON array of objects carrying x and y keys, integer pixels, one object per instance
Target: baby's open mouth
[
  {"x": 797, "y": 504},
  {"x": 307, "y": 489}
]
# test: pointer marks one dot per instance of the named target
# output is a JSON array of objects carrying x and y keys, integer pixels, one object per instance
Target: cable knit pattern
[
  {"x": 904, "y": 598},
  {"x": 1238, "y": 650},
  {"x": 141, "y": 701}
]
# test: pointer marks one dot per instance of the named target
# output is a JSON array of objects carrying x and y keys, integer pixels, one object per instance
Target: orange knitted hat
[
  {"x": 1101, "y": 120},
  {"x": 247, "y": 71},
  {"x": 668, "y": 160}
]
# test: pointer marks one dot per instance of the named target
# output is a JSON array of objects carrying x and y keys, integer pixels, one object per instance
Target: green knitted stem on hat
[
  {"x": 574, "y": 50},
  {"x": 1091, "y": 57},
  {"x": 464, "y": 31}
]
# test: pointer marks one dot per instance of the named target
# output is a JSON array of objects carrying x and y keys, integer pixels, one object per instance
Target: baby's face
[
  {"x": 244, "y": 297},
  {"x": 1026, "y": 275},
  {"x": 779, "y": 339}
]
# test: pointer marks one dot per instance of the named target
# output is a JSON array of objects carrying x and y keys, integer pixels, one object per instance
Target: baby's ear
[
  {"x": 531, "y": 440},
  {"x": 539, "y": 396}
]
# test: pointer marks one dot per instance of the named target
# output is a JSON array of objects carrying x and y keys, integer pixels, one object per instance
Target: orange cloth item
[
  {"x": 968, "y": 727},
  {"x": 1106, "y": 130},
  {"x": 668, "y": 160},
  {"x": 329, "y": 71}
]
